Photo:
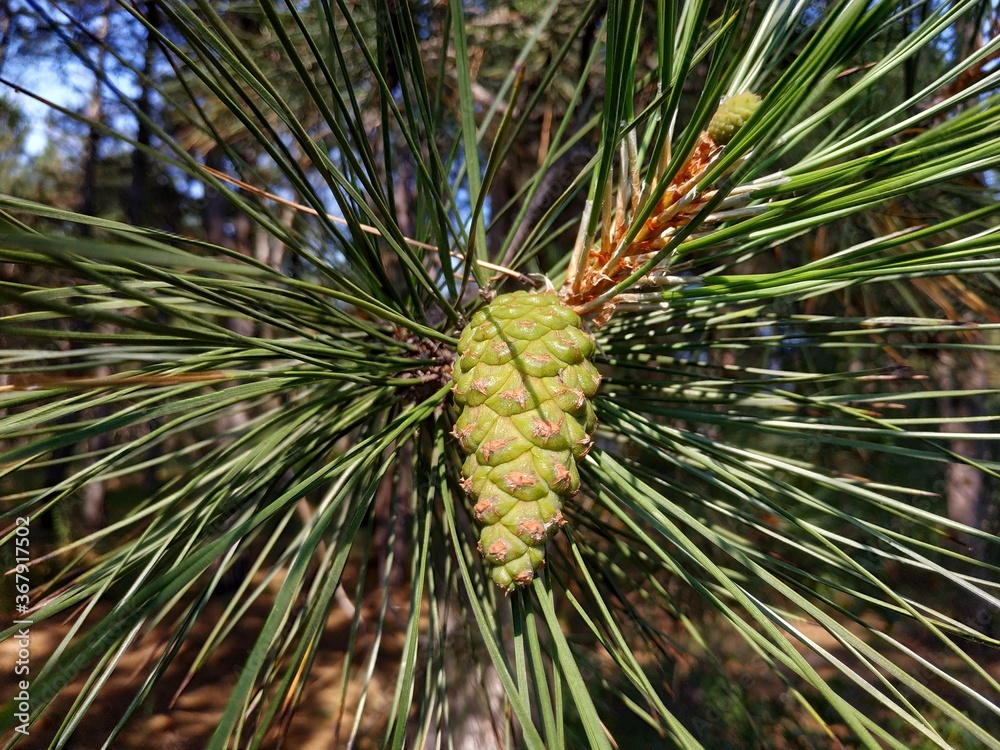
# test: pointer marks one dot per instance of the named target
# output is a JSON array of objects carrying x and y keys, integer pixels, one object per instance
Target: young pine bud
[{"x": 732, "y": 115}]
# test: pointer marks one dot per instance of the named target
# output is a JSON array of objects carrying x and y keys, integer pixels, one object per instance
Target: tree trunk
[
  {"x": 475, "y": 693},
  {"x": 213, "y": 212},
  {"x": 138, "y": 191},
  {"x": 966, "y": 487},
  {"x": 94, "y": 113},
  {"x": 94, "y": 492},
  {"x": 6, "y": 29}
]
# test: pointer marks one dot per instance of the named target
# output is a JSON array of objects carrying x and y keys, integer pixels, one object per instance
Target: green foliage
[{"x": 789, "y": 395}]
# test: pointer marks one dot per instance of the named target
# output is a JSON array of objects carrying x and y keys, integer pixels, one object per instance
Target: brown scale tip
[
  {"x": 545, "y": 429},
  {"x": 498, "y": 550},
  {"x": 492, "y": 446},
  {"x": 484, "y": 508},
  {"x": 533, "y": 528},
  {"x": 524, "y": 578},
  {"x": 518, "y": 479},
  {"x": 562, "y": 475},
  {"x": 481, "y": 385},
  {"x": 517, "y": 395},
  {"x": 460, "y": 435}
]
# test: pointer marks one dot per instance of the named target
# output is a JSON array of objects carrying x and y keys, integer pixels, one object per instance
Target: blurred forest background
[{"x": 118, "y": 98}]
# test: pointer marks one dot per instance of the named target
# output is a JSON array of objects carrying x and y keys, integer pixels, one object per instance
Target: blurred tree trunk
[
  {"x": 966, "y": 486},
  {"x": 473, "y": 720},
  {"x": 94, "y": 112},
  {"x": 6, "y": 29},
  {"x": 93, "y": 508},
  {"x": 138, "y": 191},
  {"x": 137, "y": 195},
  {"x": 213, "y": 210},
  {"x": 553, "y": 185},
  {"x": 94, "y": 493}
]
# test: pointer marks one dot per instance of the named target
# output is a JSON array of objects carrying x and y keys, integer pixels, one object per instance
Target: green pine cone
[
  {"x": 732, "y": 115},
  {"x": 523, "y": 380}
]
